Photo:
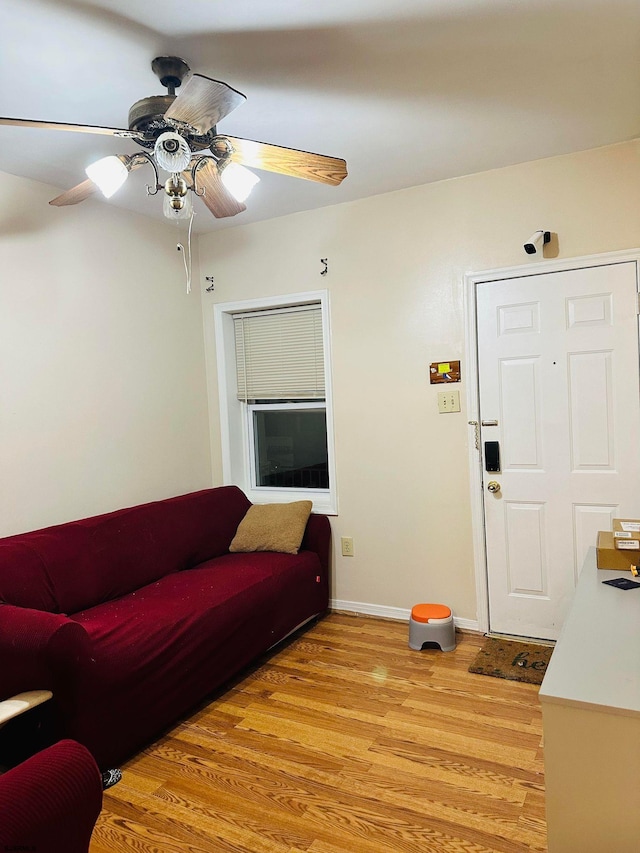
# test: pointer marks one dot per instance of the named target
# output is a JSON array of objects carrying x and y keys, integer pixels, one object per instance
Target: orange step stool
[{"x": 431, "y": 626}]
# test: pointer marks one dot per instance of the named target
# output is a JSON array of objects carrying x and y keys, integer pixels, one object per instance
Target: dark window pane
[{"x": 291, "y": 449}]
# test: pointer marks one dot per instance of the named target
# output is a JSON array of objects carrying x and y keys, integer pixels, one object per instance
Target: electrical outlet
[
  {"x": 448, "y": 401},
  {"x": 347, "y": 546}
]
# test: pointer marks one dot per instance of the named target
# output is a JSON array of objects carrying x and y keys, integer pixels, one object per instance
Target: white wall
[
  {"x": 102, "y": 380},
  {"x": 396, "y": 266}
]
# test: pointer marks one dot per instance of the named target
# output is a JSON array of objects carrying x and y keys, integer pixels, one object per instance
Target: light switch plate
[{"x": 448, "y": 401}]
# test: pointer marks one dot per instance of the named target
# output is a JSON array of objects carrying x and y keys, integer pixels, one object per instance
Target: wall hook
[
  {"x": 211, "y": 287},
  {"x": 326, "y": 268}
]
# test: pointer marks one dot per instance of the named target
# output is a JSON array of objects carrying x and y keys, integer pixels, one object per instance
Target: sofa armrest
[
  {"x": 51, "y": 801},
  {"x": 39, "y": 650},
  {"x": 317, "y": 538}
]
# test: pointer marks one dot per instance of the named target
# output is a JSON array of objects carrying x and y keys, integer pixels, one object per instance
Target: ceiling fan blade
[
  {"x": 201, "y": 102},
  {"x": 76, "y": 194},
  {"x": 87, "y": 188},
  {"x": 286, "y": 161},
  {"x": 77, "y": 128},
  {"x": 216, "y": 196}
]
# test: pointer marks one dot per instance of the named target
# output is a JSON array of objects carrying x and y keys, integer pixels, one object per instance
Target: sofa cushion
[
  {"x": 161, "y": 649},
  {"x": 73, "y": 566},
  {"x": 272, "y": 527},
  {"x": 163, "y": 623}
]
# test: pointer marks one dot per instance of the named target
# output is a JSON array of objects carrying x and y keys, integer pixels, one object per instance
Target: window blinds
[{"x": 279, "y": 354}]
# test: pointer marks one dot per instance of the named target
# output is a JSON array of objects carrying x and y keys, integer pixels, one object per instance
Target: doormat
[{"x": 513, "y": 660}]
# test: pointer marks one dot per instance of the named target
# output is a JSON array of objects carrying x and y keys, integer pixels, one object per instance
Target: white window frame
[{"x": 238, "y": 457}]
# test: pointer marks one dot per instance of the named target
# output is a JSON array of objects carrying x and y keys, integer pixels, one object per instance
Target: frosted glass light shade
[
  {"x": 238, "y": 180},
  {"x": 109, "y": 174},
  {"x": 172, "y": 152}
]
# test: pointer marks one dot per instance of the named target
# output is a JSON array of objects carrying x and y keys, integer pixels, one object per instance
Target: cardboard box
[
  {"x": 609, "y": 557},
  {"x": 626, "y": 534}
]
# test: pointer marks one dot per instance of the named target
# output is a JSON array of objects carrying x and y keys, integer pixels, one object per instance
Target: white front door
[{"x": 558, "y": 374}]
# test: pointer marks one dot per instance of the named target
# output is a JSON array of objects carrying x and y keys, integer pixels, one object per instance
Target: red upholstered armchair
[{"x": 50, "y": 802}]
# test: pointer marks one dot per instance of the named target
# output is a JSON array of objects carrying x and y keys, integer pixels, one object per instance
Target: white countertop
[{"x": 596, "y": 661}]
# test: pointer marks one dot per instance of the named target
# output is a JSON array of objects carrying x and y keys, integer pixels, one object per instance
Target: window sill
[{"x": 322, "y": 503}]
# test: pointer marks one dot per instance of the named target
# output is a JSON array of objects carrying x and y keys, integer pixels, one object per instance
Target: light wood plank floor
[{"x": 343, "y": 741}]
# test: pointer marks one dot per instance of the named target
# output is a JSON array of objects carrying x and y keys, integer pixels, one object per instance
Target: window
[
  {"x": 289, "y": 446},
  {"x": 275, "y": 398}
]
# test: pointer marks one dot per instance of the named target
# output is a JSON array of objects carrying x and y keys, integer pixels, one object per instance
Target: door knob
[{"x": 493, "y": 486}]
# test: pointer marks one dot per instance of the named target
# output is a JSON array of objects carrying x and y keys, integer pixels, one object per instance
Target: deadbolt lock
[{"x": 493, "y": 486}]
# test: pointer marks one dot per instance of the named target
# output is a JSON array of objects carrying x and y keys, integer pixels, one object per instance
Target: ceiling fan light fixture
[
  {"x": 176, "y": 131},
  {"x": 237, "y": 179},
  {"x": 177, "y": 207},
  {"x": 108, "y": 174},
  {"x": 177, "y": 203},
  {"x": 172, "y": 152}
]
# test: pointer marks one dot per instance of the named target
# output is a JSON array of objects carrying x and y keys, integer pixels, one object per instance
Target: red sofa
[
  {"x": 134, "y": 617},
  {"x": 50, "y": 802}
]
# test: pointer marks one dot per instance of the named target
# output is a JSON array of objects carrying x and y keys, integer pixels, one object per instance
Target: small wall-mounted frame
[{"x": 444, "y": 371}]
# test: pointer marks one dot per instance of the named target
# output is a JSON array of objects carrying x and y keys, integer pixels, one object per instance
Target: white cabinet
[{"x": 590, "y": 701}]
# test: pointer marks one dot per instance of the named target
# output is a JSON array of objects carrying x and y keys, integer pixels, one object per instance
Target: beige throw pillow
[{"x": 272, "y": 527}]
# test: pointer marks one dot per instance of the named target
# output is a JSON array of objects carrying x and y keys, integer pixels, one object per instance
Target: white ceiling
[{"x": 407, "y": 91}]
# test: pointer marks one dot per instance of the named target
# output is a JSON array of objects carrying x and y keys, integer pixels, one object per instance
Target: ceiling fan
[{"x": 179, "y": 133}]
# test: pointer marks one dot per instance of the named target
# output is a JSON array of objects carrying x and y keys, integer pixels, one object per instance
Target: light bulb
[
  {"x": 238, "y": 180},
  {"x": 108, "y": 174}
]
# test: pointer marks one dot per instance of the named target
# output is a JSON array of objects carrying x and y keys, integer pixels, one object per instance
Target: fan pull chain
[{"x": 186, "y": 259}]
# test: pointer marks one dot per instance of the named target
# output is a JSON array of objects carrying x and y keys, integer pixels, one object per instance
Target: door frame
[{"x": 471, "y": 281}]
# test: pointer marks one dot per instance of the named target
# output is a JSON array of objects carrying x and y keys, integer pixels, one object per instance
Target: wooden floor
[{"x": 344, "y": 741}]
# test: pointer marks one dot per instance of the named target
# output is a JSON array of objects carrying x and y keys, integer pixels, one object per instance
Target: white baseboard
[
  {"x": 399, "y": 614},
  {"x": 466, "y": 624}
]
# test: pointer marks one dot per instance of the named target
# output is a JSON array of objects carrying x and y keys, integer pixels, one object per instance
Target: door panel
[
  {"x": 520, "y": 392},
  {"x": 558, "y": 371},
  {"x": 525, "y": 529},
  {"x": 587, "y": 520}
]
